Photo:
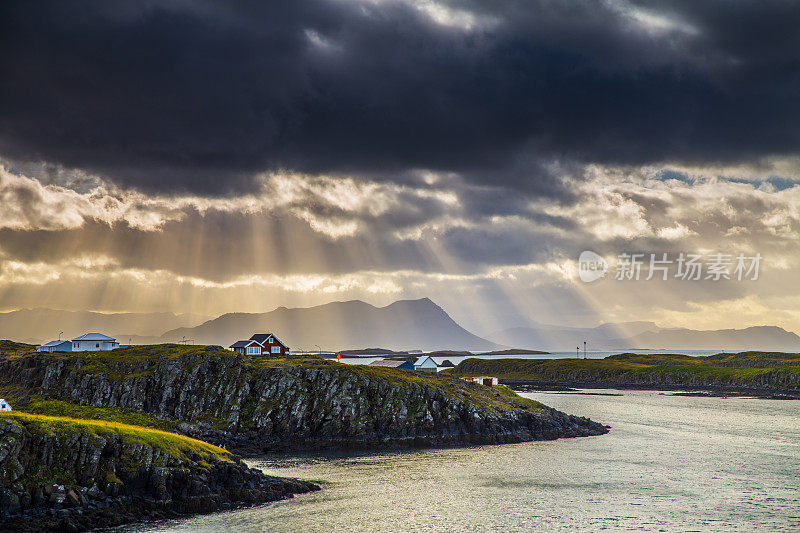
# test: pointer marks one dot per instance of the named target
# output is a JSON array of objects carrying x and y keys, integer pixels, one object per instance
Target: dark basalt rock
[
  {"x": 228, "y": 400},
  {"x": 107, "y": 482}
]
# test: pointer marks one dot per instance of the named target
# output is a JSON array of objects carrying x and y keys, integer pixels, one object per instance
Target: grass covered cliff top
[
  {"x": 176, "y": 446},
  {"x": 148, "y": 363},
  {"x": 745, "y": 369},
  {"x": 8, "y": 347},
  {"x": 42, "y": 450}
]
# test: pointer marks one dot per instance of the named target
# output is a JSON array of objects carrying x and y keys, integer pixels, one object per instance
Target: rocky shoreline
[
  {"x": 511, "y": 430},
  {"x": 521, "y": 385},
  {"x": 254, "y": 406},
  {"x": 84, "y": 513},
  {"x": 109, "y": 462},
  {"x": 59, "y": 475}
]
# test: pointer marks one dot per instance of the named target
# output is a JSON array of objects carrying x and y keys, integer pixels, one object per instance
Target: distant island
[
  {"x": 382, "y": 352},
  {"x": 770, "y": 374},
  {"x": 515, "y": 351},
  {"x": 632, "y": 336}
]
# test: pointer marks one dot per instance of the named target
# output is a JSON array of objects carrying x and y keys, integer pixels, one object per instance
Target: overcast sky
[{"x": 207, "y": 157}]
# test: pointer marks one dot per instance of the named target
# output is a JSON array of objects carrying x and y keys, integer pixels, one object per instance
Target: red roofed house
[{"x": 261, "y": 344}]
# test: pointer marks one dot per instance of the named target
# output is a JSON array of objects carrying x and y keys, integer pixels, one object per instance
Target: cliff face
[
  {"x": 267, "y": 404},
  {"x": 65, "y": 474}
]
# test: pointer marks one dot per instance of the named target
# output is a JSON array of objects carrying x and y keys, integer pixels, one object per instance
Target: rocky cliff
[
  {"x": 65, "y": 474},
  {"x": 259, "y": 404}
]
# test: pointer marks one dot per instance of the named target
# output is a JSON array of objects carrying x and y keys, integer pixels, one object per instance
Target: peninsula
[{"x": 147, "y": 432}]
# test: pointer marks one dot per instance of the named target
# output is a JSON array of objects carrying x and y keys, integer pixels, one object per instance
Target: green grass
[
  {"x": 656, "y": 359},
  {"x": 732, "y": 374},
  {"x": 544, "y": 369},
  {"x": 71, "y": 410},
  {"x": 492, "y": 400},
  {"x": 175, "y": 446},
  {"x": 23, "y": 402},
  {"x": 512, "y": 397},
  {"x": 141, "y": 361},
  {"x": 173, "y": 449},
  {"x": 260, "y": 361},
  {"x": 755, "y": 359},
  {"x": 135, "y": 361},
  {"x": 12, "y": 348},
  {"x": 745, "y": 369}
]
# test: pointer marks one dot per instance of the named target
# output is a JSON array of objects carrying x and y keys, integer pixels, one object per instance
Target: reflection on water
[{"x": 669, "y": 464}]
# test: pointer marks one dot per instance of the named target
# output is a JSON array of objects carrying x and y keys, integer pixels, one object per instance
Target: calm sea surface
[
  {"x": 455, "y": 359},
  {"x": 669, "y": 464}
]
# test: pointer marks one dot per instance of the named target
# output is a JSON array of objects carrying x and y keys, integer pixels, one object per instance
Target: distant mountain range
[
  {"x": 403, "y": 325},
  {"x": 647, "y": 335},
  {"x": 40, "y": 325}
]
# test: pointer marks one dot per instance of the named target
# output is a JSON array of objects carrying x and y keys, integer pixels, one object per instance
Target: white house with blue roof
[
  {"x": 55, "y": 346},
  {"x": 93, "y": 342},
  {"x": 426, "y": 364}
]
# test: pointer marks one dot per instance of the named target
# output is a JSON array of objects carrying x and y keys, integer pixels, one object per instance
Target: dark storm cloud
[{"x": 200, "y": 96}]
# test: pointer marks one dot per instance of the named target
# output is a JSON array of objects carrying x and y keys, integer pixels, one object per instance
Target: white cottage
[
  {"x": 93, "y": 342},
  {"x": 426, "y": 364},
  {"x": 55, "y": 346},
  {"x": 4, "y": 405}
]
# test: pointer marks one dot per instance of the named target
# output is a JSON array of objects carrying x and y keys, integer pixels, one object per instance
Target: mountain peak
[
  {"x": 401, "y": 325},
  {"x": 418, "y": 303}
]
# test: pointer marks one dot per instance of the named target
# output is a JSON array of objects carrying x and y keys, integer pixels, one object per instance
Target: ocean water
[
  {"x": 551, "y": 355},
  {"x": 669, "y": 463}
]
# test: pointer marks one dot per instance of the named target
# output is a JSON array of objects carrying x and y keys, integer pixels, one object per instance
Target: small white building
[
  {"x": 483, "y": 380},
  {"x": 93, "y": 342},
  {"x": 4, "y": 405},
  {"x": 55, "y": 346},
  {"x": 426, "y": 364}
]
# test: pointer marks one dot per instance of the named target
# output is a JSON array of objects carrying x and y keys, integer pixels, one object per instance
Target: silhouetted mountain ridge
[
  {"x": 402, "y": 325},
  {"x": 646, "y": 335},
  {"x": 40, "y": 325}
]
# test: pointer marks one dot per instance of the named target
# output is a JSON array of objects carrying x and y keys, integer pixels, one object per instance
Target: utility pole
[
  {"x": 584, "y": 349},
  {"x": 577, "y": 352}
]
